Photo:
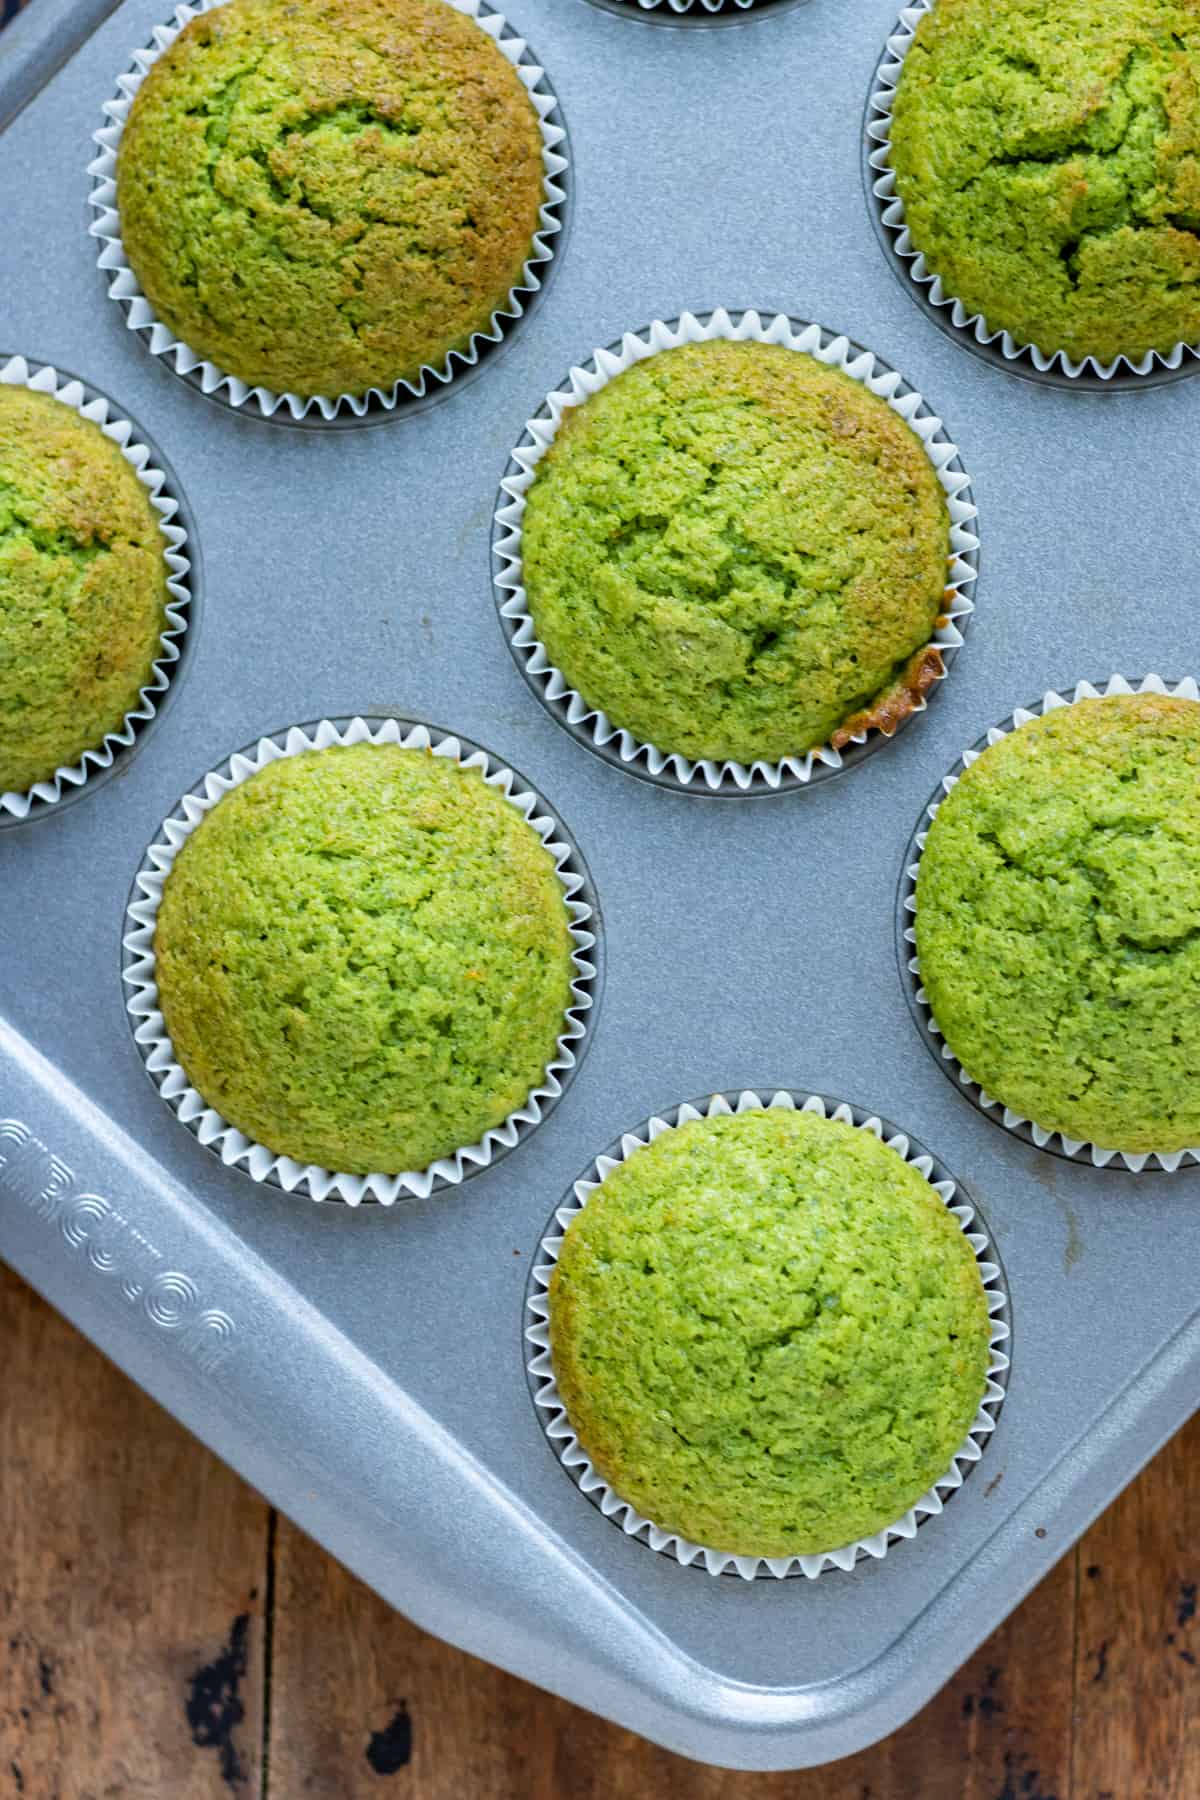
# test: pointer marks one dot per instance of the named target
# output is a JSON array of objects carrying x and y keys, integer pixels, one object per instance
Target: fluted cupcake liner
[
  {"x": 926, "y": 285},
  {"x": 575, "y": 1459},
  {"x": 67, "y": 781},
  {"x": 1028, "y": 1130},
  {"x": 322, "y": 408},
  {"x": 698, "y": 11},
  {"x": 233, "y": 1147},
  {"x": 593, "y": 727}
]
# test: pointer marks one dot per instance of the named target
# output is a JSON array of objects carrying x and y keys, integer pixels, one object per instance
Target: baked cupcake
[
  {"x": 738, "y": 553},
  {"x": 1058, "y": 921},
  {"x": 323, "y": 199},
  {"x": 769, "y": 1334},
  {"x": 1046, "y": 159},
  {"x": 83, "y": 587},
  {"x": 363, "y": 958}
]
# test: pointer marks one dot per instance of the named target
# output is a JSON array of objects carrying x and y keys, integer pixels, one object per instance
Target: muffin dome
[
  {"x": 735, "y": 552},
  {"x": 321, "y": 198},
  {"x": 769, "y": 1333},
  {"x": 83, "y": 587},
  {"x": 1058, "y": 921},
  {"x": 1047, "y": 160},
  {"x": 363, "y": 958}
]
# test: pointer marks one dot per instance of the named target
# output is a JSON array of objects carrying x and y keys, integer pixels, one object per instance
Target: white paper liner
[
  {"x": 16, "y": 371},
  {"x": 879, "y": 123},
  {"x": 1075, "y": 1148},
  {"x": 150, "y": 1033},
  {"x": 687, "y": 6},
  {"x": 576, "y": 1460},
  {"x": 140, "y": 316},
  {"x": 672, "y": 768}
]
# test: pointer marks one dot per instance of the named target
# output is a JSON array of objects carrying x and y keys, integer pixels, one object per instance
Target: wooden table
[{"x": 170, "y": 1637}]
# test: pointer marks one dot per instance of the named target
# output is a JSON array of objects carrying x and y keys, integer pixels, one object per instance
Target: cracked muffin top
[
  {"x": 323, "y": 198},
  {"x": 1058, "y": 921},
  {"x": 364, "y": 958},
  {"x": 83, "y": 587},
  {"x": 735, "y": 551},
  {"x": 1047, "y": 153},
  {"x": 769, "y": 1333}
]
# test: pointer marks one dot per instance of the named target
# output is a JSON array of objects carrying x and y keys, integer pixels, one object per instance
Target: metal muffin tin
[{"x": 365, "y": 1369}]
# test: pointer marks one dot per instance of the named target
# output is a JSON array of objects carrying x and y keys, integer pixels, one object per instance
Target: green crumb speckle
[
  {"x": 83, "y": 587},
  {"x": 769, "y": 1333},
  {"x": 1048, "y": 156},
  {"x": 321, "y": 198},
  {"x": 1058, "y": 921},
  {"x": 364, "y": 958},
  {"x": 733, "y": 551}
]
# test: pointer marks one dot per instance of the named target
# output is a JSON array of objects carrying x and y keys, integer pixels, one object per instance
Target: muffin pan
[{"x": 366, "y": 1369}]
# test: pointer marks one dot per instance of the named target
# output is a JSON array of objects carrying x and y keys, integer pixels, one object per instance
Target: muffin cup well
[
  {"x": 324, "y": 409},
  {"x": 67, "y": 783},
  {"x": 575, "y": 1459},
  {"x": 697, "y": 12},
  {"x": 150, "y": 1032},
  {"x": 1056, "y": 1142},
  {"x": 926, "y": 287},
  {"x": 593, "y": 728}
]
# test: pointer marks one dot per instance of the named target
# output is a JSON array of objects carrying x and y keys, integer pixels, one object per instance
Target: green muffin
[
  {"x": 1058, "y": 922},
  {"x": 83, "y": 587},
  {"x": 364, "y": 958},
  {"x": 1047, "y": 153},
  {"x": 769, "y": 1334},
  {"x": 738, "y": 553},
  {"x": 323, "y": 198}
]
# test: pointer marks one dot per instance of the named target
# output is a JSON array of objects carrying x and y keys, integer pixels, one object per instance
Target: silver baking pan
[{"x": 365, "y": 1368}]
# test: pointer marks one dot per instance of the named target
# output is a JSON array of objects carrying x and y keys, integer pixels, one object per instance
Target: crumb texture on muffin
[
  {"x": 322, "y": 199},
  {"x": 1058, "y": 921},
  {"x": 364, "y": 958},
  {"x": 769, "y": 1333},
  {"x": 731, "y": 549},
  {"x": 83, "y": 587},
  {"x": 1047, "y": 153}
]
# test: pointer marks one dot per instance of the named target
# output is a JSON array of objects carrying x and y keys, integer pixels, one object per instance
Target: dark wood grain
[
  {"x": 1137, "y": 1708},
  {"x": 132, "y": 1589},
  {"x": 133, "y": 1631}
]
